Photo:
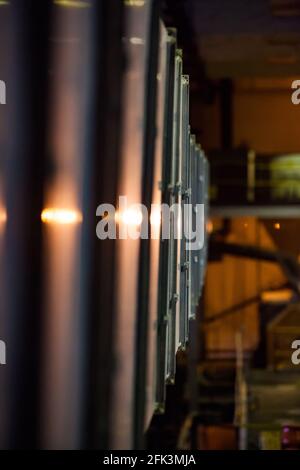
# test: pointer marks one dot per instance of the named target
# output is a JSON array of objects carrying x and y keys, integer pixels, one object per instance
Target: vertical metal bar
[
  {"x": 251, "y": 176},
  {"x": 102, "y": 182},
  {"x": 149, "y": 134},
  {"x": 164, "y": 275},
  {"x": 24, "y": 156},
  {"x": 226, "y": 103},
  {"x": 174, "y": 256}
]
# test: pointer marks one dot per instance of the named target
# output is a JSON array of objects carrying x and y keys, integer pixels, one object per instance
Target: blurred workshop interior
[{"x": 141, "y": 343}]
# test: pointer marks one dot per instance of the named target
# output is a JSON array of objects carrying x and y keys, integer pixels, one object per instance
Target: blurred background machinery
[{"x": 142, "y": 343}]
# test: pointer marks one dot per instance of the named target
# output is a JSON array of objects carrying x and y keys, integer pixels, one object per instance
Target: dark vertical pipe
[
  {"x": 226, "y": 113},
  {"x": 101, "y": 184},
  {"x": 24, "y": 192}
]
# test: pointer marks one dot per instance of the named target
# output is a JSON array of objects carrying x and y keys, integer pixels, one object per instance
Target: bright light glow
[
  {"x": 277, "y": 226},
  {"x": 155, "y": 217},
  {"x": 54, "y": 215},
  {"x": 209, "y": 226},
  {"x": 137, "y": 41},
  {"x": 3, "y": 219},
  {"x": 130, "y": 216},
  {"x": 277, "y": 296},
  {"x": 3, "y": 216},
  {"x": 134, "y": 3},
  {"x": 72, "y": 3}
]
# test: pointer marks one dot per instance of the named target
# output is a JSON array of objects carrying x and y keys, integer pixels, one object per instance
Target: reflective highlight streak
[
  {"x": 134, "y": 3},
  {"x": 155, "y": 217},
  {"x": 60, "y": 216},
  {"x": 3, "y": 216},
  {"x": 130, "y": 216},
  {"x": 210, "y": 226},
  {"x": 3, "y": 219},
  {"x": 72, "y": 3}
]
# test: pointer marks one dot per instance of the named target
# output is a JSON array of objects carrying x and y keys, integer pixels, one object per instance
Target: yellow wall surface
[
  {"x": 233, "y": 280},
  {"x": 265, "y": 119}
]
